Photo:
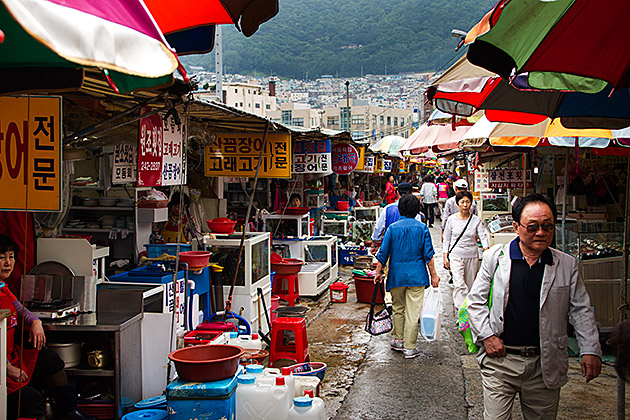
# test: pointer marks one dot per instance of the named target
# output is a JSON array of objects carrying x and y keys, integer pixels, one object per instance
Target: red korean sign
[
  {"x": 345, "y": 158},
  {"x": 161, "y": 158},
  {"x": 30, "y": 152}
]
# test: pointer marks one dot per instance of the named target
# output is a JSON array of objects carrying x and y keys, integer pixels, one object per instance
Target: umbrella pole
[
  {"x": 564, "y": 200},
  {"x": 621, "y": 384}
]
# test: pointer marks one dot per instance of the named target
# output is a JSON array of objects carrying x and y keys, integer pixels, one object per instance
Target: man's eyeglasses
[{"x": 533, "y": 228}]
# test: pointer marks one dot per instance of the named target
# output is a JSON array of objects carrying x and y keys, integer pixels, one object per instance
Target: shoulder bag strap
[
  {"x": 377, "y": 287},
  {"x": 460, "y": 235}
]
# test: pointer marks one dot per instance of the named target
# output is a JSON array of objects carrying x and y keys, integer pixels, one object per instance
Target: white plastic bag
[{"x": 431, "y": 315}]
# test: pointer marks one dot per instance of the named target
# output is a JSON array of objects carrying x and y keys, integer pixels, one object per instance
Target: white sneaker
[
  {"x": 411, "y": 353},
  {"x": 398, "y": 345}
]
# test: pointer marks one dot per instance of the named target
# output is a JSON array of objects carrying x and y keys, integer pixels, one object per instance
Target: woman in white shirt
[
  {"x": 428, "y": 195},
  {"x": 461, "y": 254}
]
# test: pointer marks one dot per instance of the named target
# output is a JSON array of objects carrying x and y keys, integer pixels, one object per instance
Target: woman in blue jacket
[{"x": 408, "y": 248}]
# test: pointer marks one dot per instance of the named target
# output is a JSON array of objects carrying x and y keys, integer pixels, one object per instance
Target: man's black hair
[
  {"x": 519, "y": 205},
  {"x": 7, "y": 244},
  {"x": 409, "y": 206}
]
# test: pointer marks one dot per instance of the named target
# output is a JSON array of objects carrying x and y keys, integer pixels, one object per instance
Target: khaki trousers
[
  {"x": 504, "y": 377},
  {"x": 407, "y": 305},
  {"x": 464, "y": 271}
]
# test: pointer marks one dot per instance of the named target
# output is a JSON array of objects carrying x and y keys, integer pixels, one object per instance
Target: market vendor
[
  {"x": 295, "y": 200},
  {"x": 33, "y": 368},
  {"x": 178, "y": 214}
]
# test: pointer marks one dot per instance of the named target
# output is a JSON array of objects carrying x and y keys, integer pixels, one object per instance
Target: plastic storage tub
[
  {"x": 365, "y": 289},
  {"x": 347, "y": 254},
  {"x": 155, "y": 250}
]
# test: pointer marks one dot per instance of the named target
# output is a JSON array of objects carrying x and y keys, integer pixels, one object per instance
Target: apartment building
[
  {"x": 247, "y": 96},
  {"x": 297, "y": 114}
]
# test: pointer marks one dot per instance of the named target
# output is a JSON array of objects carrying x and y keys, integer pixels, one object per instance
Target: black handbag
[{"x": 380, "y": 322}]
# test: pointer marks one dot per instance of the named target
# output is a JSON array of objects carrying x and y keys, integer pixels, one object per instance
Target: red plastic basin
[
  {"x": 287, "y": 266},
  {"x": 343, "y": 205},
  {"x": 297, "y": 210},
  {"x": 221, "y": 225},
  {"x": 365, "y": 289},
  {"x": 195, "y": 258},
  {"x": 206, "y": 363}
]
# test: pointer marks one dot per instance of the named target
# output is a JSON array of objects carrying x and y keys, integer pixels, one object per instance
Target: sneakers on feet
[
  {"x": 411, "y": 353},
  {"x": 398, "y": 345}
]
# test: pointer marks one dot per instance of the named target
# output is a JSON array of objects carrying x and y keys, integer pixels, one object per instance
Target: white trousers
[{"x": 464, "y": 271}]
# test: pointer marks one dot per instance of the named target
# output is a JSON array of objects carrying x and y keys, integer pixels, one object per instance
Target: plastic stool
[
  {"x": 296, "y": 350},
  {"x": 292, "y": 293}
]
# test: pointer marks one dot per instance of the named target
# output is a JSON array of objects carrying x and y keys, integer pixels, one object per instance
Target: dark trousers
[
  {"x": 429, "y": 211},
  {"x": 30, "y": 398}
]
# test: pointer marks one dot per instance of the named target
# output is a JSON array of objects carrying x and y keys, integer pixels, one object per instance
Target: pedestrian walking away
[
  {"x": 429, "y": 194},
  {"x": 522, "y": 327},
  {"x": 461, "y": 253},
  {"x": 408, "y": 251}
]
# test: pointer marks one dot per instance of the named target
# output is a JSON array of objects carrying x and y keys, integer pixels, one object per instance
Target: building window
[
  {"x": 395, "y": 120},
  {"x": 357, "y": 135},
  {"x": 257, "y": 106},
  {"x": 286, "y": 117},
  {"x": 241, "y": 104},
  {"x": 373, "y": 119},
  {"x": 267, "y": 106},
  {"x": 382, "y": 120},
  {"x": 389, "y": 120},
  {"x": 382, "y": 134},
  {"x": 332, "y": 121},
  {"x": 235, "y": 90},
  {"x": 249, "y": 91},
  {"x": 299, "y": 122},
  {"x": 358, "y": 119}
]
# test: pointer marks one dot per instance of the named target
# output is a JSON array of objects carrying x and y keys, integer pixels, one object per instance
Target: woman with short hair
[
  {"x": 408, "y": 249},
  {"x": 461, "y": 254}
]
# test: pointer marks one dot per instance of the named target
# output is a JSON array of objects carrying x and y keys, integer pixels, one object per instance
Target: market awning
[{"x": 443, "y": 137}]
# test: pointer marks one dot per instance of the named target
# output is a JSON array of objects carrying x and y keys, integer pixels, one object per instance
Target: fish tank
[
  {"x": 588, "y": 241},
  {"x": 255, "y": 263}
]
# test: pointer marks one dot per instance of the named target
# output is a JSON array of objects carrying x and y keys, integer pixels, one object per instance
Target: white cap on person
[{"x": 461, "y": 183}]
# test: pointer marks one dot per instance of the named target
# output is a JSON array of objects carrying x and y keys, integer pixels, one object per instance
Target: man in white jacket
[{"x": 522, "y": 330}]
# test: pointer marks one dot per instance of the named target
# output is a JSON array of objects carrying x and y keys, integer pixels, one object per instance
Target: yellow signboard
[
  {"x": 30, "y": 153},
  {"x": 361, "y": 165},
  {"x": 236, "y": 154},
  {"x": 379, "y": 165}
]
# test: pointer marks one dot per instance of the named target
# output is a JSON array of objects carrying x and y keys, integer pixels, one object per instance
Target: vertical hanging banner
[
  {"x": 387, "y": 165},
  {"x": 378, "y": 167},
  {"x": 361, "y": 163},
  {"x": 236, "y": 154},
  {"x": 161, "y": 158},
  {"x": 312, "y": 157},
  {"x": 368, "y": 165},
  {"x": 124, "y": 165},
  {"x": 30, "y": 153},
  {"x": 345, "y": 158}
]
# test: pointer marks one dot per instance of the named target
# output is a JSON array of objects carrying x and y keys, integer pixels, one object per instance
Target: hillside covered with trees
[{"x": 309, "y": 38}]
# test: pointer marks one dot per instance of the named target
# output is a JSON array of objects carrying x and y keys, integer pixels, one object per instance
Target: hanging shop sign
[
  {"x": 387, "y": 165},
  {"x": 312, "y": 157},
  {"x": 508, "y": 178},
  {"x": 236, "y": 154},
  {"x": 378, "y": 165},
  {"x": 125, "y": 165},
  {"x": 369, "y": 165},
  {"x": 361, "y": 163},
  {"x": 345, "y": 158},
  {"x": 403, "y": 167},
  {"x": 161, "y": 158},
  {"x": 30, "y": 153}
]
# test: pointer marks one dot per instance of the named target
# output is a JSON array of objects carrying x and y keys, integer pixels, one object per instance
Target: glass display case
[
  {"x": 323, "y": 249},
  {"x": 366, "y": 213},
  {"x": 287, "y": 225},
  {"x": 253, "y": 273},
  {"x": 335, "y": 227},
  {"x": 587, "y": 241}
]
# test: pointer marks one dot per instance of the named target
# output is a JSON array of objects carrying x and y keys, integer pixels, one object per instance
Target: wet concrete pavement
[{"x": 366, "y": 380}]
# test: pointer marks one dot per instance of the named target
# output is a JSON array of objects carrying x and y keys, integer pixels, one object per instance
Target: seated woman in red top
[{"x": 32, "y": 368}]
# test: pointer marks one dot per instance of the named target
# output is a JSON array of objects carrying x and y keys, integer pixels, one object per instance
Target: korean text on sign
[
  {"x": 30, "y": 153},
  {"x": 312, "y": 157},
  {"x": 124, "y": 165},
  {"x": 237, "y": 154}
]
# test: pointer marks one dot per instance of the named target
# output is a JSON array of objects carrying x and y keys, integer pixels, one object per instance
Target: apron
[
  {"x": 169, "y": 232},
  {"x": 29, "y": 356}
]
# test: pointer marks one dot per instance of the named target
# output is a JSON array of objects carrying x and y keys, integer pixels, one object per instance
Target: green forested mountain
[{"x": 309, "y": 38}]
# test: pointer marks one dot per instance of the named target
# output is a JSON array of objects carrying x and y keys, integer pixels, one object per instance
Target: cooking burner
[
  {"x": 48, "y": 305},
  {"x": 56, "y": 308}
]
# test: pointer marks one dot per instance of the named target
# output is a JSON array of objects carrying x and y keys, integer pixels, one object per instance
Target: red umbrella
[
  {"x": 189, "y": 24},
  {"x": 578, "y": 45}
]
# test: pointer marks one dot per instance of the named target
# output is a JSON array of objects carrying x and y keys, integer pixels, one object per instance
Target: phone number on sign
[{"x": 150, "y": 166}]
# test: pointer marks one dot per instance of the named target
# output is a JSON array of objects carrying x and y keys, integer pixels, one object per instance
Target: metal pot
[
  {"x": 70, "y": 353},
  {"x": 97, "y": 359}
]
